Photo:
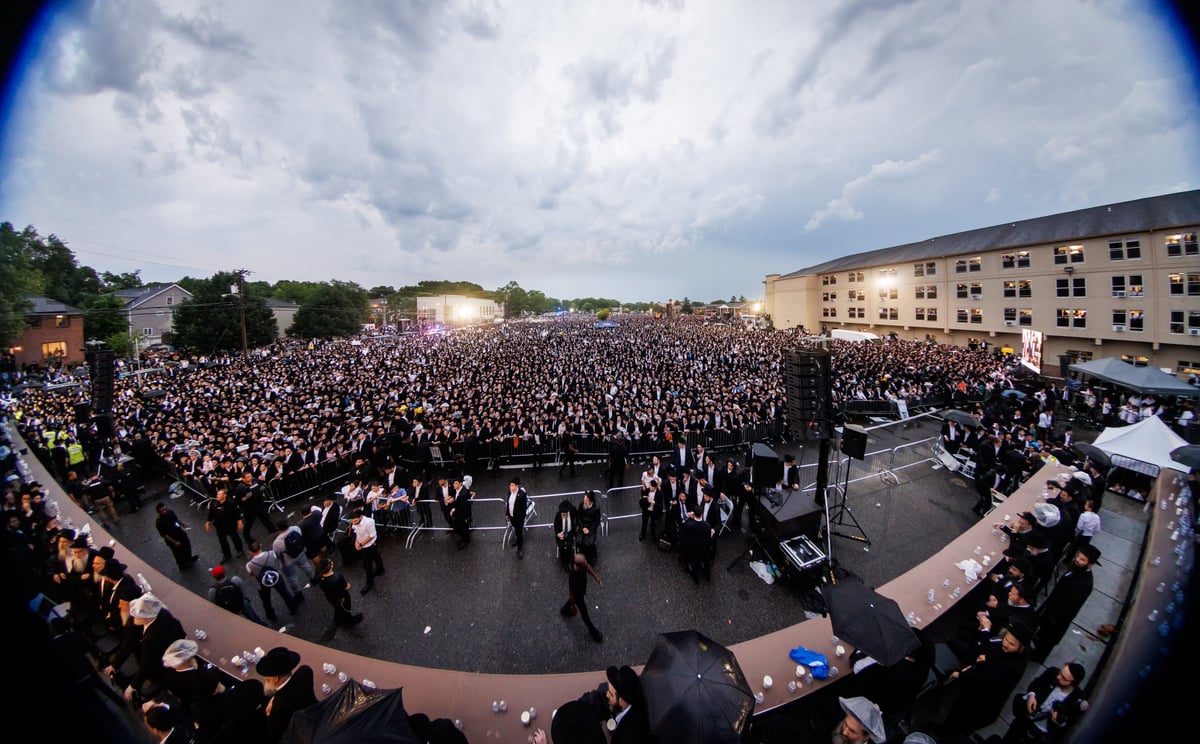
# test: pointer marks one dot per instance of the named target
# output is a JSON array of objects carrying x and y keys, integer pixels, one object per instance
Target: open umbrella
[
  {"x": 961, "y": 417},
  {"x": 1013, "y": 393},
  {"x": 695, "y": 691},
  {"x": 1093, "y": 453},
  {"x": 869, "y": 621},
  {"x": 1188, "y": 454},
  {"x": 353, "y": 714}
]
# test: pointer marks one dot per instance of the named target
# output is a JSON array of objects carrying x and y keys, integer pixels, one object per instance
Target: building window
[
  {"x": 54, "y": 349},
  {"x": 919, "y": 313},
  {"x": 931, "y": 313},
  {"x": 62, "y": 321},
  {"x": 1026, "y": 317},
  {"x": 828, "y": 279},
  {"x": 1025, "y": 288},
  {"x": 928, "y": 268},
  {"x": 1010, "y": 315},
  {"x": 962, "y": 315},
  {"x": 1119, "y": 317},
  {"x": 858, "y": 295},
  {"x": 35, "y": 321},
  {"x": 1176, "y": 321},
  {"x": 1068, "y": 254},
  {"x": 1136, "y": 288},
  {"x": 1120, "y": 250},
  {"x": 1193, "y": 285},
  {"x": 170, "y": 300},
  {"x": 1073, "y": 287},
  {"x": 889, "y": 293},
  {"x": 960, "y": 291},
  {"x": 1080, "y": 356},
  {"x": 1118, "y": 286},
  {"x": 829, "y": 312},
  {"x": 1071, "y": 318},
  {"x": 1186, "y": 367},
  {"x": 1182, "y": 245},
  {"x": 829, "y": 297},
  {"x": 960, "y": 266},
  {"x": 977, "y": 315},
  {"x": 976, "y": 291},
  {"x": 1137, "y": 320},
  {"x": 931, "y": 291},
  {"x": 1010, "y": 289},
  {"x": 147, "y": 331},
  {"x": 1018, "y": 260},
  {"x": 975, "y": 264},
  {"x": 887, "y": 313},
  {"x": 919, "y": 269},
  {"x": 857, "y": 312}
]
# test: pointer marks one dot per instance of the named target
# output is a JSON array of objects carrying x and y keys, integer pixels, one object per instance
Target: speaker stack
[
  {"x": 807, "y": 380},
  {"x": 101, "y": 369}
]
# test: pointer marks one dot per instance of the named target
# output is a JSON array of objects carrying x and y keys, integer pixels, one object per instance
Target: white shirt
[
  {"x": 1088, "y": 524},
  {"x": 364, "y": 533}
]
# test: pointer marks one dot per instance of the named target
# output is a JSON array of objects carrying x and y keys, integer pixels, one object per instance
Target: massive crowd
[{"x": 355, "y": 407}]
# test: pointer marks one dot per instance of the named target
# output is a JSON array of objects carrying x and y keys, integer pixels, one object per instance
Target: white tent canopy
[{"x": 1144, "y": 447}]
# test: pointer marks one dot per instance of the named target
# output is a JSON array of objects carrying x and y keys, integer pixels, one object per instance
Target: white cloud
[{"x": 610, "y": 149}]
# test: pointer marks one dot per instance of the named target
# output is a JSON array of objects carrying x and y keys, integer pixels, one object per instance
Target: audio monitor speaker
[{"x": 854, "y": 441}]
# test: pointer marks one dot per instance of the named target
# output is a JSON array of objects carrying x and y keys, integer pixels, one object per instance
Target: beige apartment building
[{"x": 1119, "y": 280}]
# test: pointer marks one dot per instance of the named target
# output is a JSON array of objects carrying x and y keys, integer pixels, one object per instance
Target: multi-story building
[
  {"x": 54, "y": 333},
  {"x": 150, "y": 310},
  {"x": 1120, "y": 280},
  {"x": 457, "y": 310}
]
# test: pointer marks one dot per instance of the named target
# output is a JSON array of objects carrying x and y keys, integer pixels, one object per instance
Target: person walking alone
[
  {"x": 337, "y": 590},
  {"x": 366, "y": 540},
  {"x": 577, "y": 583}
]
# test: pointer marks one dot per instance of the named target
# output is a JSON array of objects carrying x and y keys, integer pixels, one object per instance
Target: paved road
[{"x": 488, "y": 611}]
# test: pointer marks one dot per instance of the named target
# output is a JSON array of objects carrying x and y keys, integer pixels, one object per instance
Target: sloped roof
[
  {"x": 1156, "y": 212},
  {"x": 281, "y": 304},
  {"x": 137, "y": 295},
  {"x": 47, "y": 306}
]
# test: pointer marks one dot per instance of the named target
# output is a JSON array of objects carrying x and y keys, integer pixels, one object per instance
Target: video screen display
[{"x": 1031, "y": 349}]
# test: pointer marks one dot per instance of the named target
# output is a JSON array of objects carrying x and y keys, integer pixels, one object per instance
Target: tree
[
  {"x": 602, "y": 313},
  {"x": 210, "y": 322},
  {"x": 19, "y": 280},
  {"x": 686, "y": 308},
  {"x": 335, "y": 309},
  {"x": 122, "y": 344},
  {"x": 127, "y": 280},
  {"x": 103, "y": 317}
]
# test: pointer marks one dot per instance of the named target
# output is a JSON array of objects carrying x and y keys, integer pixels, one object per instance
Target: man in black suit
[
  {"x": 985, "y": 683},
  {"x": 288, "y": 684},
  {"x": 696, "y": 536},
  {"x": 628, "y": 706},
  {"x": 515, "y": 507},
  {"x": 313, "y": 533},
  {"x": 421, "y": 496},
  {"x": 1059, "y": 610},
  {"x": 460, "y": 512},
  {"x": 159, "y": 630},
  {"x": 682, "y": 458},
  {"x": 1048, "y": 707}
]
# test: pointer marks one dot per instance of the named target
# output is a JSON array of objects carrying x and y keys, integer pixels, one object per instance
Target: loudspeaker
[
  {"x": 808, "y": 385},
  {"x": 767, "y": 467},
  {"x": 83, "y": 413},
  {"x": 104, "y": 425},
  {"x": 854, "y": 441},
  {"x": 101, "y": 366}
]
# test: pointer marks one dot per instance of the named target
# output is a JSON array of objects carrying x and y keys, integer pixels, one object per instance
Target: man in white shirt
[{"x": 366, "y": 543}]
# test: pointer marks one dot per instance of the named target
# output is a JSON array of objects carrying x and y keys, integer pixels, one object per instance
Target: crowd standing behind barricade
[{"x": 291, "y": 413}]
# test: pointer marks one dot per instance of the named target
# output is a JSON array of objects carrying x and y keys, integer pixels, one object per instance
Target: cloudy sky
[{"x": 634, "y": 150}]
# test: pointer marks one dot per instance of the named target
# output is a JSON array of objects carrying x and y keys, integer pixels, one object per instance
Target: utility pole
[{"x": 241, "y": 275}]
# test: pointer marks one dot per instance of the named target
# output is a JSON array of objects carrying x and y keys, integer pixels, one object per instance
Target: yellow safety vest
[{"x": 74, "y": 453}]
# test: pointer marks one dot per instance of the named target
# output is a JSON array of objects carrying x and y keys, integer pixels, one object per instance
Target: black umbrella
[
  {"x": 1093, "y": 453},
  {"x": 1188, "y": 454},
  {"x": 869, "y": 621},
  {"x": 695, "y": 691},
  {"x": 353, "y": 714},
  {"x": 962, "y": 418}
]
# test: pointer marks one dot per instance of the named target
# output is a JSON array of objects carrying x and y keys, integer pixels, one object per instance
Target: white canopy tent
[{"x": 1144, "y": 447}]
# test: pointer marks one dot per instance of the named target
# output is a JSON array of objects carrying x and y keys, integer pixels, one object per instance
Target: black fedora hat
[{"x": 277, "y": 662}]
